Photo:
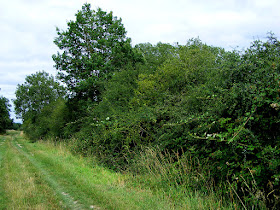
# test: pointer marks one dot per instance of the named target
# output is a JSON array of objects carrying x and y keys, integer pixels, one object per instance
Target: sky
[{"x": 28, "y": 28}]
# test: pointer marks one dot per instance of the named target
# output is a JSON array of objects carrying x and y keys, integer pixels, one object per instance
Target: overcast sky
[{"x": 28, "y": 27}]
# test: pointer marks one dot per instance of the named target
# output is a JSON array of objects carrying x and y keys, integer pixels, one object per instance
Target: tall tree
[
  {"x": 92, "y": 48},
  {"x": 36, "y": 101},
  {"x": 5, "y": 121},
  {"x": 38, "y": 90}
]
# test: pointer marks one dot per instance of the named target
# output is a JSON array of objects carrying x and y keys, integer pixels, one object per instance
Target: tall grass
[
  {"x": 255, "y": 198},
  {"x": 181, "y": 181},
  {"x": 186, "y": 180}
]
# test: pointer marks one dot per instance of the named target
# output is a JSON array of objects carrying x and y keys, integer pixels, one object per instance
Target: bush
[{"x": 219, "y": 106}]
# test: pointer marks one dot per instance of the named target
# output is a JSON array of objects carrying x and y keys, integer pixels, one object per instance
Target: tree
[
  {"x": 38, "y": 91},
  {"x": 156, "y": 55},
  {"x": 93, "y": 47},
  {"x": 5, "y": 121}
]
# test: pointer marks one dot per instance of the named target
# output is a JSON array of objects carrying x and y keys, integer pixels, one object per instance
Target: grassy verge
[
  {"x": 90, "y": 186},
  {"x": 23, "y": 186},
  {"x": 70, "y": 181},
  {"x": 43, "y": 175},
  {"x": 2, "y": 194}
]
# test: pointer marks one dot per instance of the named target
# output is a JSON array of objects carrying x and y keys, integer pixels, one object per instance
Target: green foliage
[
  {"x": 37, "y": 91},
  {"x": 53, "y": 118},
  {"x": 17, "y": 126},
  {"x": 221, "y": 107},
  {"x": 5, "y": 121},
  {"x": 93, "y": 47},
  {"x": 155, "y": 55},
  {"x": 36, "y": 102},
  {"x": 233, "y": 131}
]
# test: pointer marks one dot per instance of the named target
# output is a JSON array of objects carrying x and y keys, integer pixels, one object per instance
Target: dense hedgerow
[{"x": 221, "y": 107}]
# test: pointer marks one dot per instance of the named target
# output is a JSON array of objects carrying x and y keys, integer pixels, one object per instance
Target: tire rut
[{"x": 67, "y": 200}]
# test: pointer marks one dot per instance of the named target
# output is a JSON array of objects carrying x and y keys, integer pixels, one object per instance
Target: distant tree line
[{"x": 114, "y": 99}]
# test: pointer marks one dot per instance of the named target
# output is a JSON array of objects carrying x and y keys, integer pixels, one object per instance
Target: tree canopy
[
  {"x": 91, "y": 49},
  {"x": 38, "y": 90},
  {"x": 35, "y": 101}
]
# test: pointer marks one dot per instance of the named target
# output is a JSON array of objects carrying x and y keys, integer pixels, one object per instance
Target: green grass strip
[
  {"x": 78, "y": 183},
  {"x": 2, "y": 192},
  {"x": 90, "y": 186},
  {"x": 22, "y": 184},
  {"x": 68, "y": 201}
]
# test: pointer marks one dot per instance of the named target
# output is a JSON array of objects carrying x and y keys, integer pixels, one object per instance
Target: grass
[
  {"x": 2, "y": 194},
  {"x": 23, "y": 185},
  {"x": 185, "y": 180},
  {"x": 45, "y": 175}
]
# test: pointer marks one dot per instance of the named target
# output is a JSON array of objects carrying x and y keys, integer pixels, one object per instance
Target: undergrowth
[
  {"x": 183, "y": 180},
  {"x": 181, "y": 176}
]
